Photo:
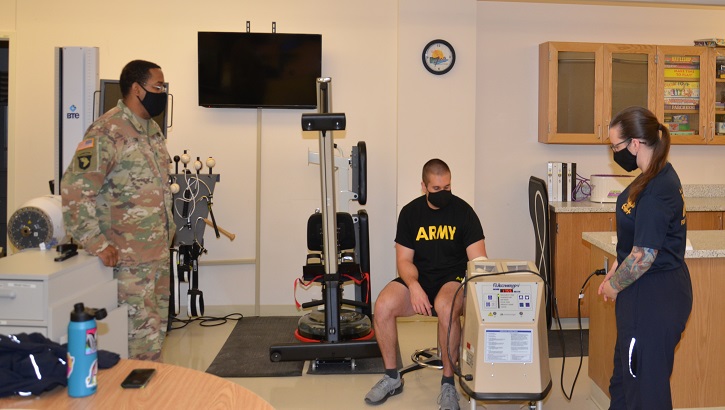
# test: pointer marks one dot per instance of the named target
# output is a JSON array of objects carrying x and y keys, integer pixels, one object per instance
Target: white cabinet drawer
[
  {"x": 22, "y": 300},
  {"x": 14, "y": 330}
]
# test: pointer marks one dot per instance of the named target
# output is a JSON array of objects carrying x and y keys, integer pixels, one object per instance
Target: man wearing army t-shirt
[{"x": 437, "y": 234}]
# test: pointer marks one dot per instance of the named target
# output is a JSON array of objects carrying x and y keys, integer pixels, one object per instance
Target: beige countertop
[
  {"x": 705, "y": 244},
  {"x": 697, "y": 204},
  {"x": 698, "y": 198}
]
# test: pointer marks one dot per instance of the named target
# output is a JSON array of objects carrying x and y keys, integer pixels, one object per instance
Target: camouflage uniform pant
[{"x": 144, "y": 289}]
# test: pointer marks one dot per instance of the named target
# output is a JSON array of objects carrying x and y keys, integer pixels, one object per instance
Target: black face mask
[
  {"x": 440, "y": 199},
  {"x": 154, "y": 103},
  {"x": 626, "y": 160}
]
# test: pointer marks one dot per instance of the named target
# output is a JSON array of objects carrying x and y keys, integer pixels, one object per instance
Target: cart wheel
[
  {"x": 352, "y": 364},
  {"x": 275, "y": 356}
]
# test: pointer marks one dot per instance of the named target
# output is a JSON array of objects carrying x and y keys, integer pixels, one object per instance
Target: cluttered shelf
[{"x": 682, "y": 111}]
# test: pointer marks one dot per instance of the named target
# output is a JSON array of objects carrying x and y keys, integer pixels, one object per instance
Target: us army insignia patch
[
  {"x": 86, "y": 144},
  {"x": 84, "y": 161}
]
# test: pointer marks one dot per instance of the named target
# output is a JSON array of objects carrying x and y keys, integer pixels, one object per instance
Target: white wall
[
  {"x": 372, "y": 52},
  {"x": 436, "y": 113},
  {"x": 507, "y": 151},
  {"x": 359, "y": 54},
  {"x": 481, "y": 117}
]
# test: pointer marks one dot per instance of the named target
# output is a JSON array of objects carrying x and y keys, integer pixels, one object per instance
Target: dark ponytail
[{"x": 642, "y": 124}]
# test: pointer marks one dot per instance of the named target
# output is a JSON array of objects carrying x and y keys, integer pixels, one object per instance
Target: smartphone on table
[{"x": 137, "y": 379}]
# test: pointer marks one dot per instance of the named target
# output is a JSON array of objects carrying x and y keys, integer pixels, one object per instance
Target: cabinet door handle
[{"x": 8, "y": 294}]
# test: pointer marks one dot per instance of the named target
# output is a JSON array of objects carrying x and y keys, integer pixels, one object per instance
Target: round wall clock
[{"x": 439, "y": 57}]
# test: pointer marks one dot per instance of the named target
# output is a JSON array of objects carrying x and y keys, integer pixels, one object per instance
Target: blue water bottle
[{"x": 82, "y": 350}]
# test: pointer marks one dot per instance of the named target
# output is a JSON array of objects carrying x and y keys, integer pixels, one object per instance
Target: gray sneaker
[
  {"x": 386, "y": 387},
  {"x": 448, "y": 399}
]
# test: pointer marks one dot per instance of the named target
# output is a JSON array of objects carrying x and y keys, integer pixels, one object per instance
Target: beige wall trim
[
  {"x": 224, "y": 262},
  {"x": 700, "y": 4}
]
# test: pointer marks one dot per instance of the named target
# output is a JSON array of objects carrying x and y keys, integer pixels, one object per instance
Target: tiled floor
[{"x": 195, "y": 347}]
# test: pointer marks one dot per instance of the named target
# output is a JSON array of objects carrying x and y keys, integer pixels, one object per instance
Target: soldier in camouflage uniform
[{"x": 117, "y": 203}]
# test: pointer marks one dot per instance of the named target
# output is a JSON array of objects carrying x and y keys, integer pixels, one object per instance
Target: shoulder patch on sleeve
[
  {"x": 87, "y": 143},
  {"x": 85, "y": 160}
]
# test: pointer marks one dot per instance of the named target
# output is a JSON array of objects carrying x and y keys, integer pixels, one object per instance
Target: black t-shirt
[
  {"x": 439, "y": 237},
  {"x": 657, "y": 221}
]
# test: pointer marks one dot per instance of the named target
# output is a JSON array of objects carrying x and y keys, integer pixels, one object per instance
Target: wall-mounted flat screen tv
[{"x": 259, "y": 70}]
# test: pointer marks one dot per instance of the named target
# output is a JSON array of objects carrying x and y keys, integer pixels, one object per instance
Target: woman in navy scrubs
[{"x": 650, "y": 280}]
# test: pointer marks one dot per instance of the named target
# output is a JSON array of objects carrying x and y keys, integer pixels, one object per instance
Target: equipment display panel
[{"x": 510, "y": 302}]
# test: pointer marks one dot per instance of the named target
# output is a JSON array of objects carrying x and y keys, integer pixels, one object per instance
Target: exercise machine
[
  {"x": 37, "y": 224},
  {"x": 504, "y": 345},
  {"x": 338, "y": 245},
  {"x": 193, "y": 197}
]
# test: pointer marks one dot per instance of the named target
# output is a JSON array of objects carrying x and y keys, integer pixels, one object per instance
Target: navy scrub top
[{"x": 657, "y": 220}]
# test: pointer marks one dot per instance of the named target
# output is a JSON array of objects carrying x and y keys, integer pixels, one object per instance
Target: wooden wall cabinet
[
  {"x": 717, "y": 128},
  {"x": 706, "y": 121},
  {"x": 683, "y": 90},
  {"x": 715, "y": 131},
  {"x": 582, "y": 85},
  {"x": 570, "y": 93}
]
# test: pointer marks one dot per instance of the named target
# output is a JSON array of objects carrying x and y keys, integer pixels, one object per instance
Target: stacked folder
[{"x": 561, "y": 181}]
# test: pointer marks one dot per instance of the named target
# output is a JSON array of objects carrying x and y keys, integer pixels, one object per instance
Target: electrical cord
[
  {"x": 456, "y": 367},
  {"x": 581, "y": 336},
  {"x": 583, "y": 189},
  {"x": 206, "y": 321},
  {"x": 190, "y": 195}
]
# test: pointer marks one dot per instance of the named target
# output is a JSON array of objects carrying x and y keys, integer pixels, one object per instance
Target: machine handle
[
  {"x": 213, "y": 220},
  {"x": 226, "y": 233},
  {"x": 362, "y": 173},
  {"x": 8, "y": 294}
]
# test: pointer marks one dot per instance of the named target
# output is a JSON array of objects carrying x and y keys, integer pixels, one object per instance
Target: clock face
[{"x": 439, "y": 57}]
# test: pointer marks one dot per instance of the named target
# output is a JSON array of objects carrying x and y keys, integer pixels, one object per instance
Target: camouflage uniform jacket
[{"x": 116, "y": 190}]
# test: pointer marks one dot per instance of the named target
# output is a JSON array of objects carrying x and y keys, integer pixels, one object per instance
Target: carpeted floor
[
  {"x": 572, "y": 343},
  {"x": 246, "y": 351}
]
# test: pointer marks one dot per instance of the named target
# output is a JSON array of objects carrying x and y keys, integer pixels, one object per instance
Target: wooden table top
[{"x": 171, "y": 387}]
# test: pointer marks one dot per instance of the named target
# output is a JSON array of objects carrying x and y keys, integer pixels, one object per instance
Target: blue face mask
[{"x": 440, "y": 199}]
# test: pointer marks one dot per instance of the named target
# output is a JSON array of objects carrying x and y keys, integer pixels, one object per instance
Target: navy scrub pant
[{"x": 651, "y": 316}]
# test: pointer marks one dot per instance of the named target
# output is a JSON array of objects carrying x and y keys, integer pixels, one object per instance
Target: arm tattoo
[{"x": 633, "y": 267}]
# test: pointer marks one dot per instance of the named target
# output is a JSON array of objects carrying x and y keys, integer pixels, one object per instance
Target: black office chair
[{"x": 539, "y": 210}]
